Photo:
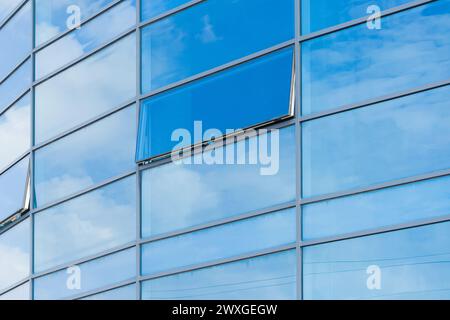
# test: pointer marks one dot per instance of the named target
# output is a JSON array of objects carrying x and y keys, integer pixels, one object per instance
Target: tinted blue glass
[
  {"x": 94, "y": 274},
  {"x": 407, "y": 264},
  {"x": 202, "y": 37},
  {"x": 15, "y": 85},
  {"x": 417, "y": 201},
  {"x": 15, "y": 131},
  {"x": 123, "y": 293},
  {"x": 12, "y": 189},
  {"x": 356, "y": 64},
  {"x": 220, "y": 242},
  {"x": 253, "y": 93},
  {"x": 176, "y": 196},
  {"x": 270, "y": 277},
  {"x": 22, "y": 292},
  {"x": 6, "y": 7},
  {"x": 386, "y": 141},
  {"x": 98, "y": 152},
  {"x": 15, "y": 254},
  {"x": 321, "y": 14},
  {"x": 90, "y": 88},
  {"x": 153, "y": 8},
  {"x": 95, "y": 222},
  {"x": 52, "y": 17},
  {"x": 15, "y": 40},
  {"x": 81, "y": 41}
]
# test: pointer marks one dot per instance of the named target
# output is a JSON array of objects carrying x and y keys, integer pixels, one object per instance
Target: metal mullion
[
  {"x": 13, "y": 13},
  {"x": 103, "y": 289},
  {"x": 16, "y": 67},
  {"x": 14, "y": 162},
  {"x": 11, "y": 104},
  {"x": 14, "y": 286}
]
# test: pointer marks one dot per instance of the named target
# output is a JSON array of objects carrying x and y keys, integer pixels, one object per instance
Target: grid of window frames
[{"x": 362, "y": 188}]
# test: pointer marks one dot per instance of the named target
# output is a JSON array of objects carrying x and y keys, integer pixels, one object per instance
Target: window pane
[
  {"x": 15, "y": 131},
  {"x": 93, "y": 274},
  {"x": 22, "y": 292},
  {"x": 98, "y": 152},
  {"x": 249, "y": 94},
  {"x": 98, "y": 84},
  {"x": 95, "y": 222},
  {"x": 123, "y": 293},
  {"x": 13, "y": 184},
  {"x": 407, "y": 264},
  {"x": 357, "y": 64},
  {"x": 270, "y": 277},
  {"x": 390, "y": 140},
  {"x": 15, "y": 254},
  {"x": 220, "y": 242},
  {"x": 321, "y": 14},
  {"x": 202, "y": 37},
  {"x": 15, "y": 85},
  {"x": 406, "y": 203},
  {"x": 205, "y": 193},
  {"x": 15, "y": 40},
  {"x": 6, "y": 7},
  {"x": 153, "y": 8},
  {"x": 92, "y": 35},
  {"x": 52, "y": 16}
]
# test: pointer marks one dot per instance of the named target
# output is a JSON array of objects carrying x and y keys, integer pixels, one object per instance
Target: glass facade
[{"x": 216, "y": 149}]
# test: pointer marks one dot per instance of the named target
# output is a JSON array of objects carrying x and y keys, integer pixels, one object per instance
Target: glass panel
[
  {"x": 81, "y": 41},
  {"x": 416, "y": 201},
  {"x": 15, "y": 85},
  {"x": 220, "y": 242},
  {"x": 271, "y": 277},
  {"x": 7, "y": 7},
  {"x": 95, "y": 222},
  {"x": 13, "y": 185},
  {"x": 390, "y": 140},
  {"x": 357, "y": 64},
  {"x": 98, "y": 152},
  {"x": 98, "y": 84},
  {"x": 56, "y": 16},
  {"x": 321, "y": 14},
  {"x": 205, "y": 193},
  {"x": 22, "y": 292},
  {"x": 15, "y": 254},
  {"x": 15, "y": 40},
  {"x": 250, "y": 94},
  {"x": 123, "y": 293},
  {"x": 407, "y": 264},
  {"x": 15, "y": 131},
  {"x": 153, "y": 8},
  {"x": 88, "y": 276},
  {"x": 202, "y": 37}
]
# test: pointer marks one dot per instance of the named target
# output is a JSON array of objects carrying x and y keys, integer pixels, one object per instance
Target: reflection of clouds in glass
[
  {"x": 208, "y": 34},
  {"x": 7, "y": 6}
]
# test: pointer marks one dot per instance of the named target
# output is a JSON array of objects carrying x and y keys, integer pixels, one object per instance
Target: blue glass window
[
  {"x": 94, "y": 154},
  {"x": 15, "y": 85},
  {"x": 81, "y": 41},
  {"x": 122, "y": 293},
  {"x": 407, "y": 264},
  {"x": 21, "y": 292},
  {"x": 269, "y": 277},
  {"x": 177, "y": 196},
  {"x": 6, "y": 8},
  {"x": 93, "y": 275},
  {"x": 92, "y": 223},
  {"x": 267, "y": 231},
  {"x": 90, "y": 88},
  {"x": 357, "y": 64},
  {"x": 153, "y": 8},
  {"x": 249, "y": 94},
  {"x": 202, "y": 37},
  {"x": 391, "y": 140}
]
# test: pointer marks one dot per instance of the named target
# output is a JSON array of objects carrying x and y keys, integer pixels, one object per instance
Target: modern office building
[{"x": 224, "y": 149}]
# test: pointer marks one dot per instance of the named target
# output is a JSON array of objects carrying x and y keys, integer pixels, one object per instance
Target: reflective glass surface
[
  {"x": 270, "y": 277},
  {"x": 123, "y": 293},
  {"x": 391, "y": 140},
  {"x": 98, "y": 152},
  {"x": 21, "y": 292},
  {"x": 411, "y": 49},
  {"x": 55, "y": 17},
  {"x": 15, "y": 85},
  {"x": 15, "y": 131},
  {"x": 15, "y": 40},
  {"x": 88, "y": 276},
  {"x": 406, "y": 264},
  {"x": 177, "y": 196},
  {"x": 92, "y": 223},
  {"x": 81, "y": 41},
  {"x": 86, "y": 90},
  {"x": 6, "y": 7},
  {"x": 15, "y": 254},
  {"x": 153, "y": 8},
  {"x": 267, "y": 231},
  {"x": 202, "y": 37},
  {"x": 238, "y": 98}
]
